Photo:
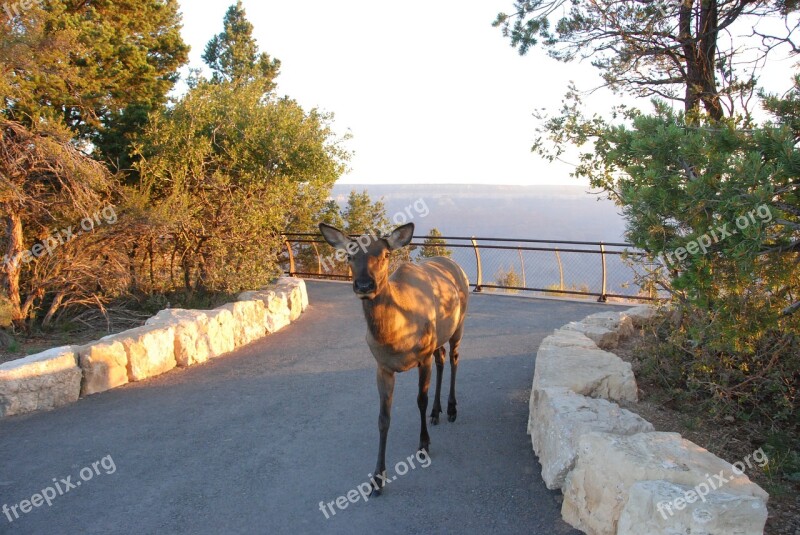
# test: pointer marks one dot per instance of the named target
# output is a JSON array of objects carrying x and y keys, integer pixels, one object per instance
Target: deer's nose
[{"x": 364, "y": 287}]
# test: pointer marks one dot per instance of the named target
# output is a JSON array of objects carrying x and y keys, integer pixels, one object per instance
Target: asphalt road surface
[{"x": 252, "y": 442}]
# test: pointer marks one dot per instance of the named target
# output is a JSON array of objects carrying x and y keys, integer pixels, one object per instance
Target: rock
[
  {"x": 590, "y": 372},
  {"x": 608, "y": 465},
  {"x": 642, "y": 315},
  {"x": 104, "y": 365},
  {"x": 278, "y": 312},
  {"x": 568, "y": 338},
  {"x": 191, "y": 334},
  {"x": 562, "y": 417},
  {"x": 604, "y": 337},
  {"x": 39, "y": 382},
  {"x": 249, "y": 320},
  {"x": 221, "y": 327},
  {"x": 150, "y": 350},
  {"x": 661, "y": 507},
  {"x": 613, "y": 321},
  {"x": 297, "y": 297}
]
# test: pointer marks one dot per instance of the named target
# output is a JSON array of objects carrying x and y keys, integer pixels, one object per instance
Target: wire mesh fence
[{"x": 525, "y": 266}]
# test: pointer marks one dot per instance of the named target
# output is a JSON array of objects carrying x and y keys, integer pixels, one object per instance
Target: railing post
[
  {"x": 292, "y": 269},
  {"x": 603, "y": 298},
  {"x": 479, "y": 282},
  {"x": 319, "y": 259},
  {"x": 522, "y": 264},
  {"x": 560, "y": 271}
]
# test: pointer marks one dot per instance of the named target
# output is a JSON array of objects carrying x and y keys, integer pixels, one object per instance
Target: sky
[{"x": 429, "y": 91}]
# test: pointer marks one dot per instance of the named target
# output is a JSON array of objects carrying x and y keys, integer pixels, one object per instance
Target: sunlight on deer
[{"x": 410, "y": 316}]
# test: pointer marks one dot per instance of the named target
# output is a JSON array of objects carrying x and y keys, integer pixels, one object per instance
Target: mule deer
[{"x": 410, "y": 317}]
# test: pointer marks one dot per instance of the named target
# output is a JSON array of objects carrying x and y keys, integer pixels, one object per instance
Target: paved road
[{"x": 252, "y": 442}]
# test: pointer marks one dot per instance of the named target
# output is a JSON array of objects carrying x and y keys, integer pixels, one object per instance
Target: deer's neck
[{"x": 380, "y": 313}]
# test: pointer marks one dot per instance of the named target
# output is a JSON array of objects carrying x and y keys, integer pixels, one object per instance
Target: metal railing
[{"x": 551, "y": 267}]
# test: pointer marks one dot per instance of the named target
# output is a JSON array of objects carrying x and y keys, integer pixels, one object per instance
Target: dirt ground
[{"x": 727, "y": 438}]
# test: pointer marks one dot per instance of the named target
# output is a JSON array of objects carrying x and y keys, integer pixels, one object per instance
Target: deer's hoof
[
  {"x": 375, "y": 492},
  {"x": 452, "y": 417},
  {"x": 434, "y": 419}
]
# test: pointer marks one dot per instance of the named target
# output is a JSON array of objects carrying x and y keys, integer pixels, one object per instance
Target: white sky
[{"x": 430, "y": 91}]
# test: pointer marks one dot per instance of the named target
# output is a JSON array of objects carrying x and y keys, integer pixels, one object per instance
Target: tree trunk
[
  {"x": 707, "y": 58},
  {"x": 12, "y": 265},
  {"x": 53, "y": 309},
  {"x": 700, "y": 53}
]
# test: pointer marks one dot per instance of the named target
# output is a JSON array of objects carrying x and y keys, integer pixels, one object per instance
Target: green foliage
[
  {"x": 434, "y": 245},
  {"x": 98, "y": 67},
  {"x": 224, "y": 172},
  {"x": 233, "y": 54},
  {"x": 717, "y": 206},
  {"x": 362, "y": 215},
  {"x": 508, "y": 278},
  {"x": 664, "y": 49}
]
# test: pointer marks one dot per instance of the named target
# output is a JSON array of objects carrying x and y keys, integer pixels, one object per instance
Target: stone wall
[
  {"x": 173, "y": 337},
  {"x": 619, "y": 476}
]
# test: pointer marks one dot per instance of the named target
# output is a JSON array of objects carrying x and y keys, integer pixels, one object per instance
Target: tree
[
  {"x": 361, "y": 215},
  {"x": 98, "y": 67},
  {"x": 717, "y": 205},
  {"x": 678, "y": 50},
  {"x": 434, "y": 245},
  {"x": 508, "y": 278},
  {"x": 225, "y": 172},
  {"x": 228, "y": 169},
  {"x": 233, "y": 54},
  {"x": 45, "y": 182}
]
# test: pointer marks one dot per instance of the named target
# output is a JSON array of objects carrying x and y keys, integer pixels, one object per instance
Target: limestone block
[
  {"x": 191, "y": 334},
  {"x": 104, "y": 364},
  {"x": 249, "y": 321},
  {"x": 614, "y": 321},
  {"x": 590, "y": 372},
  {"x": 608, "y": 465},
  {"x": 568, "y": 338},
  {"x": 221, "y": 328},
  {"x": 604, "y": 337},
  {"x": 641, "y": 315},
  {"x": 39, "y": 382},
  {"x": 664, "y": 508},
  {"x": 150, "y": 349},
  {"x": 563, "y": 417}
]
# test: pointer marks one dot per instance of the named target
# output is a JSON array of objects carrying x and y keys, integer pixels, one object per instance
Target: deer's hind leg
[
  {"x": 455, "y": 342},
  {"x": 438, "y": 356}
]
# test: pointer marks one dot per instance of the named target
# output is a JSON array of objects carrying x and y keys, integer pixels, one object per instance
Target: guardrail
[{"x": 552, "y": 267}]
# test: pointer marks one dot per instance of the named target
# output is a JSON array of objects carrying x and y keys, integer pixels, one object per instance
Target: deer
[{"x": 410, "y": 317}]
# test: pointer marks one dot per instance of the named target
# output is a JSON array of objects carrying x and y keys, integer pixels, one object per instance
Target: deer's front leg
[
  {"x": 385, "y": 392},
  {"x": 422, "y": 402},
  {"x": 438, "y": 356}
]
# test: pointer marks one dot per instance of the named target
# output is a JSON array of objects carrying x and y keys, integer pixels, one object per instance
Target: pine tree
[
  {"x": 98, "y": 67},
  {"x": 434, "y": 245},
  {"x": 233, "y": 55}
]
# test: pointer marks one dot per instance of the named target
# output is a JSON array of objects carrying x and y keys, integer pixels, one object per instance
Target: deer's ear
[
  {"x": 401, "y": 236},
  {"x": 334, "y": 236}
]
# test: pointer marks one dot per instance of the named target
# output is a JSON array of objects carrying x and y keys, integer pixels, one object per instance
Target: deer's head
[{"x": 368, "y": 256}]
